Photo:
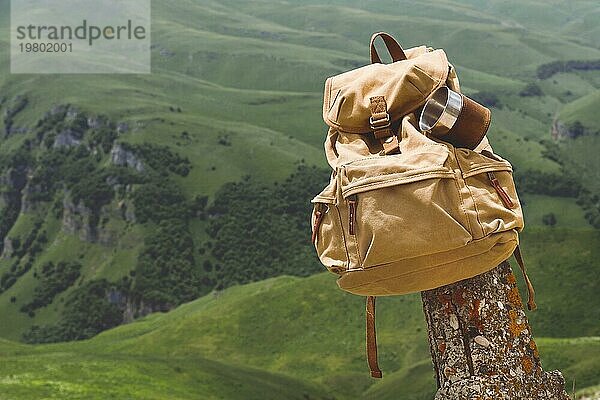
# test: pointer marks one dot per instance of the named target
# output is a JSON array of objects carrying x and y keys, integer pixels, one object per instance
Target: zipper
[
  {"x": 352, "y": 214},
  {"x": 508, "y": 203}
]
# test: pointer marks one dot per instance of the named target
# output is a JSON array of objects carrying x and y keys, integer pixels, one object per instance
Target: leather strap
[
  {"x": 381, "y": 125},
  {"x": 372, "y": 339},
  {"x": 380, "y": 119},
  {"x": 531, "y": 293},
  {"x": 392, "y": 45}
]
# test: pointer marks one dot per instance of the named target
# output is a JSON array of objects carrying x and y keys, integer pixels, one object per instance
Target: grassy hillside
[
  {"x": 83, "y": 375},
  {"x": 582, "y": 110},
  {"x": 280, "y": 338}
]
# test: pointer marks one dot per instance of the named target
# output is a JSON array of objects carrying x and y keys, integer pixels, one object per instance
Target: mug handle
[{"x": 392, "y": 45}]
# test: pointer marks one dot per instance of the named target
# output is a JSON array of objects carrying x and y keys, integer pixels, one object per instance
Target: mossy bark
[{"x": 481, "y": 342}]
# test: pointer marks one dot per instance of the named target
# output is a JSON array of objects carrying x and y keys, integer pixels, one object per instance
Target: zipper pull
[
  {"x": 317, "y": 223},
  {"x": 508, "y": 203},
  {"x": 352, "y": 214}
]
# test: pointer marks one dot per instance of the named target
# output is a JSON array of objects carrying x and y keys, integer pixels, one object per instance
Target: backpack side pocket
[
  {"x": 327, "y": 231},
  {"x": 492, "y": 189}
]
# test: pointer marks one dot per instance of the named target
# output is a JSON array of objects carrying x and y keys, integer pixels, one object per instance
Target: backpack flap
[{"x": 404, "y": 84}]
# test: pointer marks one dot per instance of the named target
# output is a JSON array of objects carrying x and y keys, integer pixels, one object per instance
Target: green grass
[
  {"x": 584, "y": 110},
  {"x": 568, "y": 214},
  {"x": 581, "y": 158},
  {"x": 24, "y": 225},
  {"x": 562, "y": 263},
  {"x": 578, "y": 359},
  {"x": 76, "y": 375},
  {"x": 524, "y": 154},
  {"x": 569, "y": 86},
  {"x": 282, "y": 338},
  {"x": 415, "y": 382}
]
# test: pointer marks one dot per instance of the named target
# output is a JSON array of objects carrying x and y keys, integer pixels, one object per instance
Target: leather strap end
[
  {"x": 531, "y": 305},
  {"x": 372, "y": 339},
  {"x": 391, "y": 145}
]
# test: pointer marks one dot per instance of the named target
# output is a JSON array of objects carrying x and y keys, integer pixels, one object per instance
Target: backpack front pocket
[
  {"x": 327, "y": 231},
  {"x": 395, "y": 211}
]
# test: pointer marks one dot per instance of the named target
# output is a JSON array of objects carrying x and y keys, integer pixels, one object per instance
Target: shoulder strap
[
  {"x": 372, "y": 339},
  {"x": 392, "y": 45}
]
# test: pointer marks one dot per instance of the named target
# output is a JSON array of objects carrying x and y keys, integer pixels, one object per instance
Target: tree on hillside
[
  {"x": 532, "y": 89},
  {"x": 549, "y": 219}
]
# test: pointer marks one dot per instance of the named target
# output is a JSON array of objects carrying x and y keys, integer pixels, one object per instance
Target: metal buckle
[{"x": 380, "y": 123}]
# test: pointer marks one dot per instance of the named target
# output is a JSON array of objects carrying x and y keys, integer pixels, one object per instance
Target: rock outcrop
[
  {"x": 28, "y": 194},
  {"x": 8, "y": 248},
  {"x": 122, "y": 127},
  {"x": 87, "y": 224},
  {"x": 562, "y": 130},
  {"x": 125, "y": 158},
  {"x": 67, "y": 138},
  {"x": 13, "y": 181},
  {"x": 14, "y": 107},
  {"x": 78, "y": 220},
  {"x": 127, "y": 211}
]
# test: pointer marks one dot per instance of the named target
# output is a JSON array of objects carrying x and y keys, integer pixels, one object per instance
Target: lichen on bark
[{"x": 481, "y": 342}]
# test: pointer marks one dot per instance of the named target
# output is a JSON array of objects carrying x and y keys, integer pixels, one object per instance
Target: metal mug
[{"x": 455, "y": 118}]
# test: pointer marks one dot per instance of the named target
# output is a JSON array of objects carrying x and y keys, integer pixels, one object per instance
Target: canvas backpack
[{"x": 404, "y": 211}]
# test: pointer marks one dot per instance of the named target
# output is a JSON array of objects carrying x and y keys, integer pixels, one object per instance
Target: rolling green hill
[
  {"x": 138, "y": 193},
  {"x": 83, "y": 375},
  {"x": 279, "y": 338},
  {"x": 582, "y": 110}
]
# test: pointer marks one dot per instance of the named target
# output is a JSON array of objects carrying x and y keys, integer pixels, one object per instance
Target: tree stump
[{"x": 481, "y": 343}]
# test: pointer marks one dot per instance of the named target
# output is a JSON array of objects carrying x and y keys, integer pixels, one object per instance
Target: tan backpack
[{"x": 405, "y": 212}]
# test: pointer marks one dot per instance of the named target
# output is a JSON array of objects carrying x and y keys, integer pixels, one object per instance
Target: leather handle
[{"x": 392, "y": 45}]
